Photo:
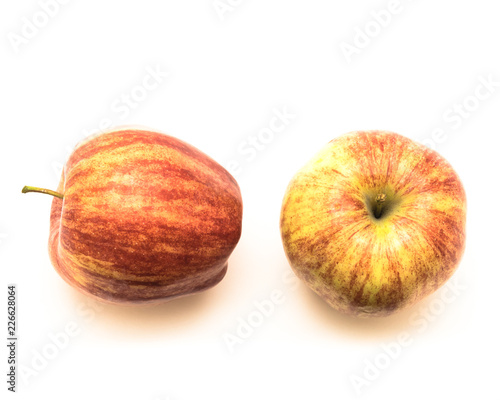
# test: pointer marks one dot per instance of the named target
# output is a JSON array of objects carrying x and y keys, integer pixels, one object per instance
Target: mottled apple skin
[
  {"x": 359, "y": 264},
  {"x": 145, "y": 218}
]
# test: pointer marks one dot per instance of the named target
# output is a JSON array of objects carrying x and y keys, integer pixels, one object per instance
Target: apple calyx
[
  {"x": 28, "y": 189},
  {"x": 379, "y": 205}
]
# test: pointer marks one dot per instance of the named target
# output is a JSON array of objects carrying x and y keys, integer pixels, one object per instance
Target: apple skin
[
  {"x": 145, "y": 218},
  {"x": 359, "y": 264}
]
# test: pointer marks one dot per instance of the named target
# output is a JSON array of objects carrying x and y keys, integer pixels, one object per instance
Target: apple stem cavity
[
  {"x": 379, "y": 205},
  {"x": 28, "y": 189}
]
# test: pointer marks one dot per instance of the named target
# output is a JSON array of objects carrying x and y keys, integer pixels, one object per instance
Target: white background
[{"x": 227, "y": 72}]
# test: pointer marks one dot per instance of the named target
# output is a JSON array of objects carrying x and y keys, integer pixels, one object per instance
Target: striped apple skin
[
  {"x": 365, "y": 266},
  {"x": 145, "y": 218}
]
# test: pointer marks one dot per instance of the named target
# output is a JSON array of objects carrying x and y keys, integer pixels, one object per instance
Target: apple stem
[
  {"x": 28, "y": 189},
  {"x": 379, "y": 200}
]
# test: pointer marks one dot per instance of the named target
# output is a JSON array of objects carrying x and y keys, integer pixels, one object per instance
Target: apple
[
  {"x": 374, "y": 223},
  {"x": 142, "y": 217}
]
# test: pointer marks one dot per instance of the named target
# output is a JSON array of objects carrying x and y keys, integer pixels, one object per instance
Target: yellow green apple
[{"x": 374, "y": 222}]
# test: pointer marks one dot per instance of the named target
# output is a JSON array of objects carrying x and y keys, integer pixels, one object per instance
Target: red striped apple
[
  {"x": 142, "y": 217},
  {"x": 374, "y": 223}
]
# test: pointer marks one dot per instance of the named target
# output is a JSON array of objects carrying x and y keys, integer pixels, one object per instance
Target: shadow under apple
[
  {"x": 355, "y": 328},
  {"x": 149, "y": 320}
]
